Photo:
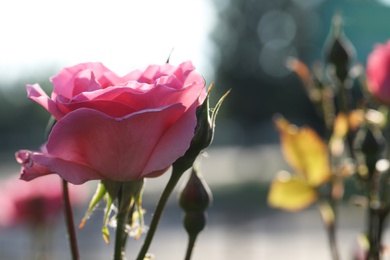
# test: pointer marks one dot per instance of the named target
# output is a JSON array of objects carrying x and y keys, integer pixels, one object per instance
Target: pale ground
[{"x": 240, "y": 225}]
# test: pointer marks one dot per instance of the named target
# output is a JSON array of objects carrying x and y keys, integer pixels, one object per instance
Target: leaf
[
  {"x": 97, "y": 197},
  {"x": 304, "y": 151},
  {"x": 291, "y": 192}
]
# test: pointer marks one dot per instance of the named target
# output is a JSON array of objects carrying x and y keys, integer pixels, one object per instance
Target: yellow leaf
[
  {"x": 305, "y": 151},
  {"x": 290, "y": 192}
]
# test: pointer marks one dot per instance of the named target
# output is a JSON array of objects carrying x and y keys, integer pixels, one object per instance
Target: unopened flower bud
[
  {"x": 194, "y": 222},
  {"x": 195, "y": 199},
  {"x": 339, "y": 50},
  {"x": 370, "y": 143},
  {"x": 196, "y": 195}
]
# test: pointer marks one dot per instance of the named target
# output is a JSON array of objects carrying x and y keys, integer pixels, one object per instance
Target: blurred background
[{"x": 237, "y": 44}]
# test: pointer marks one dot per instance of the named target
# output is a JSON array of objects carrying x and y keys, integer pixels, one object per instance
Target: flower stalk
[
  {"x": 70, "y": 222},
  {"x": 173, "y": 180},
  {"x": 121, "y": 233}
]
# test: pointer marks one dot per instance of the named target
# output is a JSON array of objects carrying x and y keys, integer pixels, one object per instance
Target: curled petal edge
[{"x": 36, "y": 164}]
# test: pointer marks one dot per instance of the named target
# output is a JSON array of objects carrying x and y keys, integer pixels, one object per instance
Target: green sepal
[
  {"x": 216, "y": 109},
  {"x": 138, "y": 214},
  {"x": 204, "y": 132},
  {"x": 97, "y": 197},
  {"x": 107, "y": 211}
]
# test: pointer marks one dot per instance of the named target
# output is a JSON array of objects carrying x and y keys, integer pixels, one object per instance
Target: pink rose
[
  {"x": 36, "y": 202},
  {"x": 378, "y": 73},
  {"x": 117, "y": 128}
]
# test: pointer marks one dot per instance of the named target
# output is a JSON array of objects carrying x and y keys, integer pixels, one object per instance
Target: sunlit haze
[{"x": 123, "y": 34}]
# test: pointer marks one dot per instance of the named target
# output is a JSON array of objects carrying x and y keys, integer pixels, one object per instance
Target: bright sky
[{"x": 123, "y": 34}]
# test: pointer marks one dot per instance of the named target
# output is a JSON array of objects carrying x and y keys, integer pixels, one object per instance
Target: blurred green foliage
[
  {"x": 254, "y": 38},
  {"x": 22, "y": 121}
]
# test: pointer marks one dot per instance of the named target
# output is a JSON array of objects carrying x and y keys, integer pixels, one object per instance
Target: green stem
[
  {"x": 175, "y": 176},
  {"x": 374, "y": 235},
  {"x": 121, "y": 221},
  {"x": 120, "y": 237},
  {"x": 69, "y": 222},
  {"x": 190, "y": 247},
  {"x": 332, "y": 242}
]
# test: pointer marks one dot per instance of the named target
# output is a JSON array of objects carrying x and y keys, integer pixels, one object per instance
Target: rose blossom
[
  {"x": 378, "y": 73},
  {"x": 117, "y": 128}
]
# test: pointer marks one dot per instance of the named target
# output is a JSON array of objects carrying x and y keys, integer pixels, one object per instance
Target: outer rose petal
[
  {"x": 35, "y": 93},
  {"x": 30, "y": 169},
  {"x": 120, "y": 149},
  {"x": 176, "y": 133},
  {"x": 36, "y": 164}
]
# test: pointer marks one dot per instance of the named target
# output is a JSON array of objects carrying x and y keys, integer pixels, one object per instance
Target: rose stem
[
  {"x": 175, "y": 176},
  {"x": 121, "y": 234},
  {"x": 190, "y": 247},
  {"x": 69, "y": 222}
]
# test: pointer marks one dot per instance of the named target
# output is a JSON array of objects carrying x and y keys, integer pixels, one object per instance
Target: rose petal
[
  {"x": 37, "y": 164},
  {"x": 70, "y": 171},
  {"x": 120, "y": 149},
  {"x": 181, "y": 131},
  {"x": 85, "y": 81},
  {"x": 35, "y": 93},
  {"x": 109, "y": 107},
  {"x": 30, "y": 169},
  {"x": 158, "y": 96},
  {"x": 154, "y": 72},
  {"x": 64, "y": 81}
]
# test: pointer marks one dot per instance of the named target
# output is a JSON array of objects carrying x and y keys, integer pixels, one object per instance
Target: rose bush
[
  {"x": 378, "y": 73},
  {"x": 117, "y": 128}
]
